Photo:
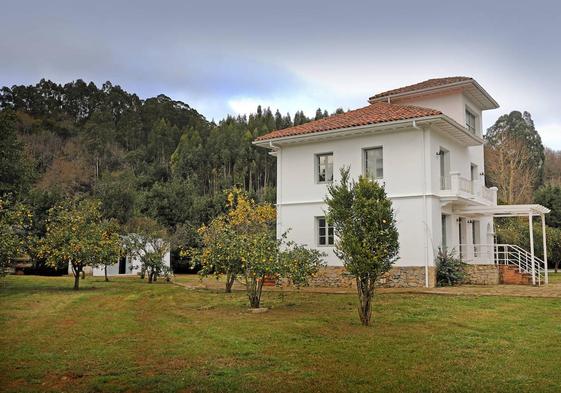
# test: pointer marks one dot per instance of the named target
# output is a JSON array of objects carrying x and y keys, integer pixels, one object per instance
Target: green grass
[
  {"x": 555, "y": 277},
  {"x": 127, "y": 335}
]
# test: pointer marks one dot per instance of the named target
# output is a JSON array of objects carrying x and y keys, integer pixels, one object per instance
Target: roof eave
[
  {"x": 340, "y": 131},
  {"x": 467, "y": 137}
]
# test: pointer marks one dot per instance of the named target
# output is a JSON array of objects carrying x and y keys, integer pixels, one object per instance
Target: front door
[{"x": 122, "y": 265}]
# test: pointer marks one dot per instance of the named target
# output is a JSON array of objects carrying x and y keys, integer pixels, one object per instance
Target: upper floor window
[
  {"x": 324, "y": 168},
  {"x": 470, "y": 121},
  {"x": 325, "y": 232},
  {"x": 374, "y": 163}
]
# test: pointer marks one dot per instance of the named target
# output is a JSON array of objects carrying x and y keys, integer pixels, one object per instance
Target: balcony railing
[{"x": 455, "y": 184}]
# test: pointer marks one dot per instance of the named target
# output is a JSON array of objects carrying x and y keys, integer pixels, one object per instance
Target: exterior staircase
[
  {"x": 511, "y": 275},
  {"x": 516, "y": 265}
]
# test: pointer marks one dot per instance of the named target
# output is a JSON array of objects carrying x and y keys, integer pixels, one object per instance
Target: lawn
[
  {"x": 555, "y": 277},
  {"x": 127, "y": 335}
]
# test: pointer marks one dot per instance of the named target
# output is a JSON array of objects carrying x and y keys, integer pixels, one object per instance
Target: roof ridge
[{"x": 426, "y": 84}]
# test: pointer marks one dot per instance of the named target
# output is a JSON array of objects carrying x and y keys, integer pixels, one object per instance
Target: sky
[{"x": 227, "y": 57}]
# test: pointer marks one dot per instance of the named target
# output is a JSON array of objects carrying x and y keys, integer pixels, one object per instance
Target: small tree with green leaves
[
  {"x": 148, "y": 242},
  {"x": 241, "y": 245},
  {"x": 15, "y": 222},
  {"x": 367, "y": 238},
  {"x": 219, "y": 254},
  {"x": 301, "y": 263},
  {"x": 77, "y": 235},
  {"x": 110, "y": 246}
]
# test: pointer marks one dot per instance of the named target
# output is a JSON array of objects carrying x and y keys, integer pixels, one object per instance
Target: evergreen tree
[
  {"x": 15, "y": 171},
  {"x": 550, "y": 197},
  {"x": 520, "y": 126}
]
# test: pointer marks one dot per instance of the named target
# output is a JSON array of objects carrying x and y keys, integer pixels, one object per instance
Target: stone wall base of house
[
  {"x": 482, "y": 275},
  {"x": 397, "y": 277}
]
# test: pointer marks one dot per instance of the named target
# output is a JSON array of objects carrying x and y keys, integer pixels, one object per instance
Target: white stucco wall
[
  {"x": 300, "y": 198},
  {"x": 453, "y": 105}
]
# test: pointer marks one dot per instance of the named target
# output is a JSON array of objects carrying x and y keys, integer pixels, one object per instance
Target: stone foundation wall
[
  {"x": 332, "y": 277},
  {"x": 397, "y": 277},
  {"x": 482, "y": 275}
]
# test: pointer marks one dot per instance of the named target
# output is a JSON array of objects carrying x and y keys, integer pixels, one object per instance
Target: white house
[{"x": 424, "y": 143}]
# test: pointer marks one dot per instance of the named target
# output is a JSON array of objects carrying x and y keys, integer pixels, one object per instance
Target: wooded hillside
[{"x": 156, "y": 157}]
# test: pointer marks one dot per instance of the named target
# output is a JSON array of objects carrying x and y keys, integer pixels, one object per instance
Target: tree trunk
[
  {"x": 365, "y": 289},
  {"x": 230, "y": 278},
  {"x": 254, "y": 290},
  {"x": 106, "y": 278},
  {"x": 76, "y": 270},
  {"x": 83, "y": 274},
  {"x": 556, "y": 266},
  {"x": 150, "y": 277}
]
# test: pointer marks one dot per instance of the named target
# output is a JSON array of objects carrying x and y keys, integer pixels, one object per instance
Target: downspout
[
  {"x": 425, "y": 210},
  {"x": 277, "y": 149}
]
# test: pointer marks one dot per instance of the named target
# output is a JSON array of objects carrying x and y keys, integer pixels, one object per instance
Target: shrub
[{"x": 450, "y": 270}]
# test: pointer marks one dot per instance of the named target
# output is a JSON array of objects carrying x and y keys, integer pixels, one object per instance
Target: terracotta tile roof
[
  {"x": 436, "y": 82},
  {"x": 378, "y": 112}
]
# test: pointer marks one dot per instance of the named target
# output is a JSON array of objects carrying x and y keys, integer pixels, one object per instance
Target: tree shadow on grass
[{"x": 15, "y": 289}]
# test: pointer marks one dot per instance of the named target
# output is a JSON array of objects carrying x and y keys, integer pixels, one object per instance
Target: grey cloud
[{"x": 209, "y": 52}]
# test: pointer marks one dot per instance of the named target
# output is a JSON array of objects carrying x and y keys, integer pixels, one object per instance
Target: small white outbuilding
[{"x": 128, "y": 265}]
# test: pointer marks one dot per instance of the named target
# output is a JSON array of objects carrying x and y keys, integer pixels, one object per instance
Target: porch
[{"x": 509, "y": 255}]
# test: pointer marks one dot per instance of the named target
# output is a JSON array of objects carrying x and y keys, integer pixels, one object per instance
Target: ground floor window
[{"x": 325, "y": 232}]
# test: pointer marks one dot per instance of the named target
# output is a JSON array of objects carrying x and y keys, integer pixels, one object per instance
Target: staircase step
[{"x": 511, "y": 275}]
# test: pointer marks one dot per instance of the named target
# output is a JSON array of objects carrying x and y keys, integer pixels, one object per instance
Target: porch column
[
  {"x": 544, "y": 248},
  {"x": 532, "y": 248}
]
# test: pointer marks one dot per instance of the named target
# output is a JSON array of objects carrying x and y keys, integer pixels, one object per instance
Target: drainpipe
[
  {"x": 277, "y": 149},
  {"x": 425, "y": 210}
]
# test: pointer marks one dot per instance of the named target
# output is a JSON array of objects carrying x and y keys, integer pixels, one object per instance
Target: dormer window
[{"x": 471, "y": 121}]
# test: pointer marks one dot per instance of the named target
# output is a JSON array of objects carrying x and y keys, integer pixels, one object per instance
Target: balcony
[{"x": 458, "y": 187}]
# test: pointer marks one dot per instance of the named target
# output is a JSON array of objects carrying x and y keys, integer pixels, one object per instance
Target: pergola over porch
[{"x": 529, "y": 211}]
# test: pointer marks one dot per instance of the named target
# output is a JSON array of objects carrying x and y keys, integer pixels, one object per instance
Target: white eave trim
[
  {"x": 467, "y": 137},
  {"x": 506, "y": 210}
]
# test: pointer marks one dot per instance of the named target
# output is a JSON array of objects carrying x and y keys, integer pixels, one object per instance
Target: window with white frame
[
  {"x": 324, "y": 168},
  {"x": 471, "y": 121},
  {"x": 325, "y": 232},
  {"x": 374, "y": 163}
]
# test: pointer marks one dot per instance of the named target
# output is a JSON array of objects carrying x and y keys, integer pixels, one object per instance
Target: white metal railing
[
  {"x": 456, "y": 184},
  {"x": 506, "y": 254}
]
